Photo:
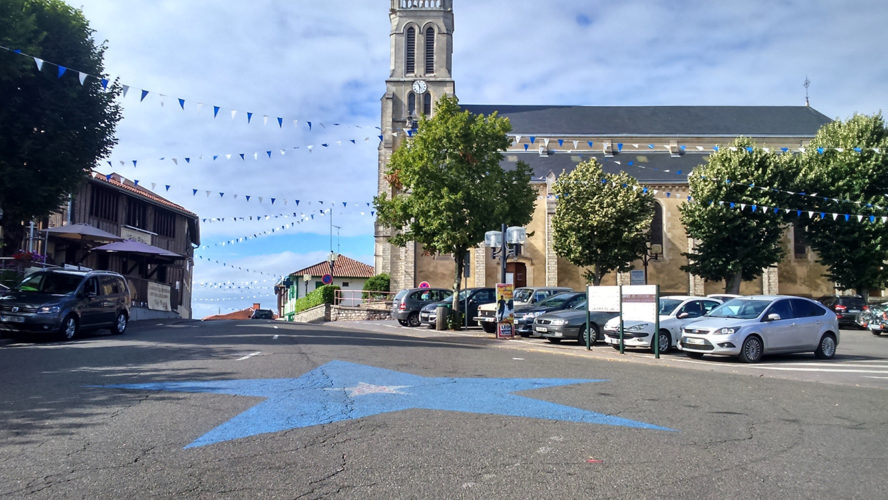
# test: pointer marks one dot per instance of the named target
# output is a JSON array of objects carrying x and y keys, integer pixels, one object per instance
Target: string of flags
[
  {"x": 226, "y": 299},
  {"x": 227, "y": 284},
  {"x": 238, "y": 268},
  {"x": 256, "y": 235},
  {"x": 82, "y": 76},
  {"x": 255, "y": 155},
  {"x": 260, "y": 218},
  {"x": 675, "y": 150}
]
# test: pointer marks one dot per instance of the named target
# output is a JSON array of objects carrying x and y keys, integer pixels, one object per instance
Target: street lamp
[
  {"x": 652, "y": 251},
  {"x": 331, "y": 259},
  {"x": 515, "y": 235}
]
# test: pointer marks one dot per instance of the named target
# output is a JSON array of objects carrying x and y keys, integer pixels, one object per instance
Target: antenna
[
  {"x": 806, "y": 85},
  {"x": 337, "y": 238}
]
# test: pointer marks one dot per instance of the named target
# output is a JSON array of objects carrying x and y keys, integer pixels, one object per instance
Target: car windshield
[
  {"x": 667, "y": 306},
  {"x": 556, "y": 300},
  {"x": 463, "y": 294},
  {"x": 740, "y": 308},
  {"x": 57, "y": 283},
  {"x": 580, "y": 305},
  {"x": 522, "y": 295}
]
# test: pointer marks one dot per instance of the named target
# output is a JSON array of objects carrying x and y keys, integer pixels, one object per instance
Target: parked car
[
  {"x": 675, "y": 311},
  {"x": 262, "y": 314},
  {"x": 408, "y": 302},
  {"x": 64, "y": 303},
  {"x": 475, "y": 297},
  {"x": 486, "y": 316},
  {"x": 750, "y": 327},
  {"x": 724, "y": 297},
  {"x": 570, "y": 324},
  {"x": 846, "y": 307},
  {"x": 525, "y": 314}
]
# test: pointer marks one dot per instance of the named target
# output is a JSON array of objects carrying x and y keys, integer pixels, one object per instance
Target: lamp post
[
  {"x": 652, "y": 251},
  {"x": 515, "y": 235},
  {"x": 331, "y": 259}
]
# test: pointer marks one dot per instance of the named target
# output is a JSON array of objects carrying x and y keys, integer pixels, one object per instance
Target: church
[{"x": 658, "y": 145}]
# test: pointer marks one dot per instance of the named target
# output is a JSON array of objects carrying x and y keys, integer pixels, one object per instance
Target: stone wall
[{"x": 327, "y": 312}]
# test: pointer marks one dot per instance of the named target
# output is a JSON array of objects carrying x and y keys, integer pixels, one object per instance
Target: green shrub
[
  {"x": 378, "y": 283},
  {"x": 323, "y": 295}
]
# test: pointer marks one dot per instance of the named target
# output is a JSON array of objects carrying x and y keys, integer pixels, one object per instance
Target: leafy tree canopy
[
  {"x": 848, "y": 182},
  {"x": 52, "y": 130},
  {"x": 602, "y": 221},
  {"x": 732, "y": 244},
  {"x": 449, "y": 186}
]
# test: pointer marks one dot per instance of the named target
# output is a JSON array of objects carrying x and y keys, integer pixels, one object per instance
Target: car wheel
[
  {"x": 413, "y": 319},
  {"x": 665, "y": 342},
  {"x": 120, "y": 324},
  {"x": 553, "y": 340},
  {"x": 751, "y": 352},
  {"x": 402, "y": 322},
  {"x": 876, "y": 332},
  {"x": 69, "y": 327},
  {"x": 489, "y": 327},
  {"x": 616, "y": 346},
  {"x": 694, "y": 355},
  {"x": 827, "y": 347},
  {"x": 593, "y": 329}
]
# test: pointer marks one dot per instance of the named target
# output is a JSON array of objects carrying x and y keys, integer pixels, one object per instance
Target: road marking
[
  {"x": 826, "y": 365},
  {"x": 825, "y": 370},
  {"x": 248, "y": 356},
  {"x": 870, "y": 376},
  {"x": 518, "y": 359}
]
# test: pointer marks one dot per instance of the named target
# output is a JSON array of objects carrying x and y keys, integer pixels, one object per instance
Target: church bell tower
[{"x": 421, "y": 42}]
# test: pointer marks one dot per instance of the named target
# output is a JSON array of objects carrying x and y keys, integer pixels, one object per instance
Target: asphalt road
[{"x": 241, "y": 409}]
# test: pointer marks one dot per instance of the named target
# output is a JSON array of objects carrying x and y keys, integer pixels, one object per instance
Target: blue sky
[{"x": 326, "y": 63}]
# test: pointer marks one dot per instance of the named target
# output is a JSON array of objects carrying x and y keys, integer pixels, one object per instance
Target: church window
[
  {"x": 411, "y": 104},
  {"x": 657, "y": 225},
  {"x": 430, "y": 51},
  {"x": 427, "y": 104},
  {"x": 410, "y": 59}
]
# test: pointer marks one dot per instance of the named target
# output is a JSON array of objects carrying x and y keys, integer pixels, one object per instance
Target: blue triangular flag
[
  {"x": 105, "y": 83},
  {"x": 847, "y": 217},
  {"x": 249, "y": 116},
  {"x": 753, "y": 208},
  {"x": 352, "y": 141},
  {"x": 532, "y": 139},
  {"x": 242, "y": 156},
  {"x": 309, "y": 126},
  {"x": 732, "y": 204},
  {"x": 248, "y": 199},
  {"x": 136, "y": 182},
  {"x": 526, "y": 146},
  {"x": 167, "y": 187},
  {"x": 715, "y": 148},
  {"x": 182, "y": 103},
  {"x": 297, "y": 203},
  {"x": 144, "y": 94},
  {"x": 820, "y": 151},
  {"x": 268, "y": 153},
  {"x": 187, "y": 159},
  {"x": 62, "y": 70},
  {"x": 325, "y": 145},
  {"x": 272, "y": 201},
  {"x": 108, "y": 177},
  {"x": 215, "y": 156},
  {"x": 678, "y": 172},
  {"x": 221, "y": 195},
  {"x": 343, "y": 203},
  {"x": 619, "y": 146},
  {"x": 749, "y": 149},
  {"x": 215, "y": 111},
  {"x": 560, "y": 142},
  {"x": 193, "y": 192},
  {"x": 280, "y": 122},
  {"x": 590, "y": 143},
  {"x": 134, "y": 163}
]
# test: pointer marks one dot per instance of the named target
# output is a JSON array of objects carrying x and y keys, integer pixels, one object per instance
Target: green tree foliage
[
  {"x": 450, "y": 187},
  {"x": 848, "y": 182},
  {"x": 377, "y": 283},
  {"x": 52, "y": 130},
  {"x": 602, "y": 221},
  {"x": 735, "y": 244}
]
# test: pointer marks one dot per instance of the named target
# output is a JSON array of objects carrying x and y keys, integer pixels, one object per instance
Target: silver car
[{"x": 750, "y": 327}]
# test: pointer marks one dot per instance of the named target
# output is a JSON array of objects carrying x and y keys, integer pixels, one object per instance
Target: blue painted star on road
[{"x": 340, "y": 390}]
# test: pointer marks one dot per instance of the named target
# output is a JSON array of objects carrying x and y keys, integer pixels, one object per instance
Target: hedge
[{"x": 323, "y": 295}]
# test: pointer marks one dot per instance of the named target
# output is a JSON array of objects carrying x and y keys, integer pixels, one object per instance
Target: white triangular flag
[
  {"x": 82, "y": 77},
  {"x": 742, "y": 206},
  {"x": 233, "y": 113},
  {"x": 39, "y": 63},
  {"x": 834, "y": 216},
  {"x": 859, "y": 218}
]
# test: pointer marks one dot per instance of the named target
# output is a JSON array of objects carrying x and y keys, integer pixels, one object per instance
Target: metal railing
[{"x": 363, "y": 298}]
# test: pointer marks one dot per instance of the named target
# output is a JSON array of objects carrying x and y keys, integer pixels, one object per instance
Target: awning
[
  {"x": 82, "y": 232},
  {"x": 138, "y": 248}
]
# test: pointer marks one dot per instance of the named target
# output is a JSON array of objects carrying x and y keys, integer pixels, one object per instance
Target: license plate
[
  {"x": 692, "y": 340},
  {"x": 12, "y": 319},
  {"x": 541, "y": 329}
]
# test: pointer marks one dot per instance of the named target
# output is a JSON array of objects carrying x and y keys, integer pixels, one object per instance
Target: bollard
[{"x": 441, "y": 313}]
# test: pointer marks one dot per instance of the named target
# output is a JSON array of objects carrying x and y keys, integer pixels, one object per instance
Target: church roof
[
  {"x": 647, "y": 168},
  {"x": 677, "y": 121}
]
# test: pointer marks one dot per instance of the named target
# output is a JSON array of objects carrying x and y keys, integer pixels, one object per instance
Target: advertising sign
[
  {"x": 158, "y": 296},
  {"x": 505, "y": 311},
  {"x": 640, "y": 303},
  {"x": 603, "y": 298}
]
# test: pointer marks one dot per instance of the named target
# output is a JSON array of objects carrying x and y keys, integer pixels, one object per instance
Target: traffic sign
[
  {"x": 424, "y": 284},
  {"x": 327, "y": 279}
]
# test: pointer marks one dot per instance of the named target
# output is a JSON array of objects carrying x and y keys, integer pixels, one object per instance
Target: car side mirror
[
  {"x": 684, "y": 315},
  {"x": 773, "y": 317}
]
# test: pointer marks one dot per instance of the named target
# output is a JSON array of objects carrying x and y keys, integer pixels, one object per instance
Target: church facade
[{"x": 658, "y": 145}]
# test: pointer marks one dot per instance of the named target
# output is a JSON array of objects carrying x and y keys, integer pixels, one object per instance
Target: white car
[
  {"x": 750, "y": 327},
  {"x": 675, "y": 312}
]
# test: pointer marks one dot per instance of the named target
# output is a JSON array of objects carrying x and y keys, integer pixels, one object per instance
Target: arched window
[
  {"x": 411, "y": 104},
  {"x": 427, "y": 104},
  {"x": 410, "y": 46},
  {"x": 430, "y": 51},
  {"x": 657, "y": 225}
]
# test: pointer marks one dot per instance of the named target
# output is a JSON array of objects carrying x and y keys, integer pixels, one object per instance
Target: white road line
[
  {"x": 825, "y": 370},
  {"x": 248, "y": 356},
  {"x": 870, "y": 376},
  {"x": 824, "y": 365}
]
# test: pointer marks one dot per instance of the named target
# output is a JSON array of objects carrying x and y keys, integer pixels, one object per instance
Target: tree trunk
[
  {"x": 459, "y": 260},
  {"x": 732, "y": 285}
]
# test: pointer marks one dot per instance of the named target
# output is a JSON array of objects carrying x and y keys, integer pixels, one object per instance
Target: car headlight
[
  {"x": 635, "y": 328},
  {"x": 730, "y": 330},
  {"x": 558, "y": 322},
  {"x": 48, "y": 310}
]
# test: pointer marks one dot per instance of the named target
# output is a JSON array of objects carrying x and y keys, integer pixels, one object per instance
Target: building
[
  {"x": 658, "y": 145},
  {"x": 112, "y": 223},
  {"x": 346, "y": 273}
]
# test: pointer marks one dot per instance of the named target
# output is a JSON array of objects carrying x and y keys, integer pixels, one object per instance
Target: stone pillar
[
  {"x": 551, "y": 256},
  {"x": 696, "y": 284},
  {"x": 480, "y": 267},
  {"x": 770, "y": 281}
]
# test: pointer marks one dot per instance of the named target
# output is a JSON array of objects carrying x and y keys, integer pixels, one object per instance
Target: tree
[
  {"x": 848, "y": 181},
  {"x": 731, "y": 215},
  {"x": 602, "y": 221},
  {"x": 376, "y": 283},
  {"x": 450, "y": 187},
  {"x": 52, "y": 129}
]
